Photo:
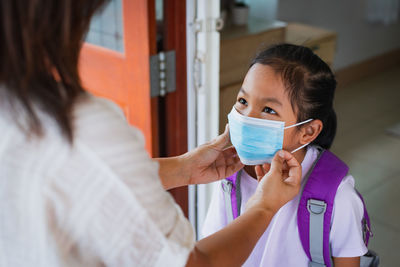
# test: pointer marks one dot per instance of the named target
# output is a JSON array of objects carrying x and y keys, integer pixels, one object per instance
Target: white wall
[
  {"x": 263, "y": 9},
  {"x": 358, "y": 39}
]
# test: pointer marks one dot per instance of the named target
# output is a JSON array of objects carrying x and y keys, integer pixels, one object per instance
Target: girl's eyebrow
[
  {"x": 265, "y": 99},
  {"x": 272, "y": 100},
  {"x": 243, "y": 91}
]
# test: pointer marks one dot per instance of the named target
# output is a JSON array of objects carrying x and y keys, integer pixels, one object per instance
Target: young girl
[{"x": 289, "y": 83}]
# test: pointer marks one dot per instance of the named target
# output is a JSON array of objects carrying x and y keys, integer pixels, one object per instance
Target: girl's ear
[{"x": 310, "y": 131}]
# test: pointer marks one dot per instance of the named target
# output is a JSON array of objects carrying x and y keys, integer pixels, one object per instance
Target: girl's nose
[{"x": 249, "y": 112}]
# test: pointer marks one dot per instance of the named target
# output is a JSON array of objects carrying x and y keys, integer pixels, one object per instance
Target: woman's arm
[
  {"x": 232, "y": 245},
  {"x": 346, "y": 262},
  {"x": 172, "y": 172},
  {"x": 207, "y": 163}
]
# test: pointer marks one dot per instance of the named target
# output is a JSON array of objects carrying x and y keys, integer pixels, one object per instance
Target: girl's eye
[
  {"x": 242, "y": 101},
  {"x": 269, "y": 110}
]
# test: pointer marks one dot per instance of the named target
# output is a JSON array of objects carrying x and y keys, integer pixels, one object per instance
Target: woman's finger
[
  {"x": 233, "y": 159},
  {"x": 259, "y": 172},
  {"x": 229, "y": 152},
  {"x": 266, "y": 167},
  {"x": 222, "y": 140},
  {"x": 277, "y": 162},
  {"x": 293, "y": 166},
  {"x": 289, "y": 158},
  {"x": 235, "y": 167}
]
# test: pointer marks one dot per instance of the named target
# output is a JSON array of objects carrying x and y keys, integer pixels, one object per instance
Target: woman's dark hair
[
  {"x": 309, "y": 83},
  {"x": 40, "y": 43}
]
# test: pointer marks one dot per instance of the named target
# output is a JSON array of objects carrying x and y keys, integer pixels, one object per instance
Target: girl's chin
[{"x": 250, "y": 171}]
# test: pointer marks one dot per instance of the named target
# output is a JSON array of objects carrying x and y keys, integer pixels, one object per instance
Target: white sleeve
[
  {"x": 346, "y": 233},
  {"x": 108, "y": 202},
  {"x": 216, "y": 215}
]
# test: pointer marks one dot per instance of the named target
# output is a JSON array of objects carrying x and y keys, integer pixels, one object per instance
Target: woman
[{"x": 77, "y": 187}]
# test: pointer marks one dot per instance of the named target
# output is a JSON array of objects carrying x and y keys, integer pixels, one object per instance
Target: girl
[{"x": 289, "y": 83}]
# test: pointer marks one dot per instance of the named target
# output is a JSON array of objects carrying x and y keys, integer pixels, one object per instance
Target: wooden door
[{"x": 123, "y": 74}]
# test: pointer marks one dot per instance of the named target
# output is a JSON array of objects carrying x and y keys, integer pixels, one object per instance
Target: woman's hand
[
  {"x": 212, "y": 161},
  {"x": 279, "y": 182},
  {"x": 232, "y": 245},
  {"x": 207, "y": 163}
]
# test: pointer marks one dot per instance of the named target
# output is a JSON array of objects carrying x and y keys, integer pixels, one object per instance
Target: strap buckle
[
  {"x": 226, "y": 186},
  {"x": 316, "y": 206}
]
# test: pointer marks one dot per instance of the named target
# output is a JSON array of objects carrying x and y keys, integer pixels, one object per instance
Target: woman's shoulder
[
  {"x": 89, "y": 103},
  {"x": 103, "y": 142},
  {"x": 99, "y": 121},
  {"x": 102, "y": 130}
]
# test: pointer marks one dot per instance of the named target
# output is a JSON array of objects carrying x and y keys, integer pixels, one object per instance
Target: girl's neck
[{"x": 299, "y": 155}]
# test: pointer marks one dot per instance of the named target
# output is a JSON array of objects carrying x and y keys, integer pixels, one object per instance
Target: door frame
[
  {"x": 203, "y": 42},
  {"x": 176, "y": 130}
]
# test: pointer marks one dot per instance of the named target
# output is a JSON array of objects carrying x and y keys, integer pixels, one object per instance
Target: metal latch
[{"x": 162, "y": 73}]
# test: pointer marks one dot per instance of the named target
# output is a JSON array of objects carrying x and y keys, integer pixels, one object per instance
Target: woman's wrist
[
  {"x": 259, "y": 202},
  {"x": 259, "y": 207},
  {"x": 174, "y": 171},
  {"x": 186, "y": 162},
  {"x": 261, "y": 212}
]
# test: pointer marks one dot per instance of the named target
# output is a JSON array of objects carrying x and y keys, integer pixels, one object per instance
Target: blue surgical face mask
[{"x": 257, "y": 140}]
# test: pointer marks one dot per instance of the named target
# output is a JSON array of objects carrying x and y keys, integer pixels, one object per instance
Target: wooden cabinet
[
  {"x": 227, "y": 99},
  {"x": 239, "y": 44},
  {"x": 321, "y": 41}
]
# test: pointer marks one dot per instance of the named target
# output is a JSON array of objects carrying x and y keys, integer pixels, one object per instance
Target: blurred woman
[{"x": 77, "y": 187}]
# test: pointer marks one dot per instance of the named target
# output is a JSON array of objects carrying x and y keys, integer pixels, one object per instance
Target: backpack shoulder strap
[
  {"x": 366, "y": 223},
  {"x": 316, "y": 204},
  {"x": 371, "y": 258},
  {"x": 232, "y": 195}
]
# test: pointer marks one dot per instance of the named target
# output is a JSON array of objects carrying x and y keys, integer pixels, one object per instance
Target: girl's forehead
[{"x": 263, "y": 80}]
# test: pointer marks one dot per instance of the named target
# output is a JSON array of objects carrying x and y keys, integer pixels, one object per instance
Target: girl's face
[{"x": 263, "y": 96}]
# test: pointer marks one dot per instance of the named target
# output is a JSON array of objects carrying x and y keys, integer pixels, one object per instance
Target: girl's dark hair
[
  {"x": 310, "y": 85},
  {"x": 39, "y": 50}
]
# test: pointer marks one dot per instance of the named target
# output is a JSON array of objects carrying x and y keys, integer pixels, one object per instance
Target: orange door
[{"x": 124, "y": 76}]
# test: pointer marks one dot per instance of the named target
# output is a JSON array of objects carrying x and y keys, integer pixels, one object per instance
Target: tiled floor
[{"x": 365, "y": 110}]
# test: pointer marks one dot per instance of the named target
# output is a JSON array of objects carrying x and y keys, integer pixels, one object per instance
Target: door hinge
[
  {"x": 208, "y": 25},
  {"x": 162, "y": 73}
]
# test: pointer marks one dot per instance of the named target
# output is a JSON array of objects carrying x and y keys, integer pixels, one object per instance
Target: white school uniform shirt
[
  {"x": 280, "y": 244},
  {"x": 98, "y": 202}
]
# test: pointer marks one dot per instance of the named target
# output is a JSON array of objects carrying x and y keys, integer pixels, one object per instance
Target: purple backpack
[{"x": 315, "y": 208}]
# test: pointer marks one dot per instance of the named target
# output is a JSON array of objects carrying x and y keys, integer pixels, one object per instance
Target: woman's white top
[{"x": 98, "y": 202}]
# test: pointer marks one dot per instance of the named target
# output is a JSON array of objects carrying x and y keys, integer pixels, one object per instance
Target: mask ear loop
[
  {"x": 297, "y": 149},
  {"x": 297, "y": 124}
]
